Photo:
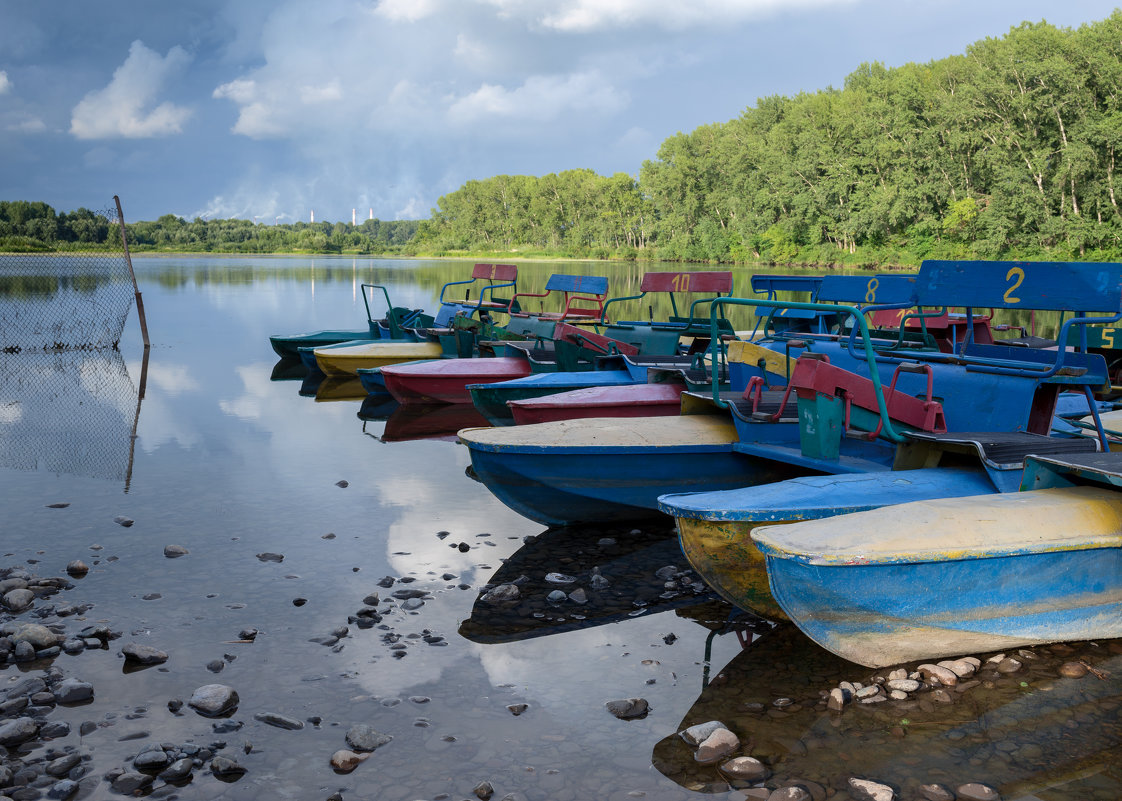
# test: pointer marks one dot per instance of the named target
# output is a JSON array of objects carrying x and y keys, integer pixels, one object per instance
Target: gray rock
[
  {"x": 578, "y": 596},
  {"x": 28, "y": 686},
  {"x": 248, "y": 634},
  {"x": 745, "y": 768},
  {"x": 280, "y": 721},
  {"x": 270, "y": 557},
  {"x": 175, "y": 551},
  {"x": 212, "y": 700},
  {"x": 77, "y": 568},
  {"x": 517, "y": 709},
  {"x": 152, "y": 759},
  {"x": 18, "y": 600},
  {"x": 23, "y": 652},
  {"x": 38, "y": 636},
  {"x": 628, "y": 708},
  {"x": 223, "y": 766},
  {"x": 483, "y": 791},
  {"x": 179, "y": 769},
  {"x": 557, "y": 596},
  {"x": 790, "y": 793},
  {"x": 695, "y": 735},
  {"x": 716, "y": 747},
  {"x": 936, "y": 792},
  {"x": 74, "y": 691},
  {"x": 904, "y": 685},
  {"x": 73, "y": 646},
  {"x": 502, "y": 593},
  {"x": 362, "y": 737},
  {"x": 54, "y": 729},
  {"x": 14, "y": 732},
  {"x": 865, "y": 790},
  {"x": 977, "y": 792},
  {"x": 121, "y": 520},
  {"x": 62, "y": 765},
  {"x": 129, "y": 783},
  {"x": 63, "y": 789},
  {"x": 559, "y": 578},
  {"x": 143, "y": 654},
  {"x": 411, "y": 604}
]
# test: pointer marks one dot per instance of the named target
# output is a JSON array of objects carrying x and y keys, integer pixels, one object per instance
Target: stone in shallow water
[
  {"x": 345, "y": 761},
  {"x": 628, "y": 708},
  {"x": 280, "y": 721},
  {"x": 974, "y": 791},
  {"x": 18, "y": 600},
  {"x": 143, "y": 654},
  {"x": 14, "y": 732},
  {"x": 77, "y": 568},
  {"x": 746, "y": 768},
  {"x": 716, "y": 746},
  {"x": 213, "y": 699},
  {"x": 222, "y": 766},
  {"x": 38, "y": 636},
  {"x": 129, "y": 783},
  {"x": 121, "y": 520},
  {"x": 175, "y": 551},
  {"x": 1073, "y": 670},
  {"x": 362, "y": 737},
  {"x": 179, "y": 769},
  {"x": 865, "y": 790},
  {"x": 73, "y": 691},
  {"x": 696, "y": 734}
]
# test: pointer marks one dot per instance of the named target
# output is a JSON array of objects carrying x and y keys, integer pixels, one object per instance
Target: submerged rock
[
  {"x": 143, "y": 654},
  {"x": 362, "y": 737},
  {"x": 212, "y": 700},
  {"x": 628, "y": 708}
]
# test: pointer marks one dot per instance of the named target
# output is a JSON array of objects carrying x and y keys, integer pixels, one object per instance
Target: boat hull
[
  {"x": 715, "y": 528},
  {"x": 492, "y": 399},
  {"x": 989, "y": 573},
  {"x": 594, "y": 470},
  {"x": 636, "y": 400},
  {"x": 447, "y": 381},
  {"x": 288, "y": 346},
  {"x": 342, "y": 361}
]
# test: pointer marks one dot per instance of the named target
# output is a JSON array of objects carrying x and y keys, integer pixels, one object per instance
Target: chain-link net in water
[
  {"x": 68, "y": 411},
  {"x": 72, "y": 298}
]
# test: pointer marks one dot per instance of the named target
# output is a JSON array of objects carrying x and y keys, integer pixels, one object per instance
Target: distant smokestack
[
  {"x": 352, "y": 216},
  {"x": 313, "y": 216}
]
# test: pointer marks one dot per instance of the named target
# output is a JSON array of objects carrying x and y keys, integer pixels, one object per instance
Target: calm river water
[{"x": 234, "y": 464}]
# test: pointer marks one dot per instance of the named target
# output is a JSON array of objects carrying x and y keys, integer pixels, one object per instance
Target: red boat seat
[
  {"x": 590, "y": 339},
  {"x": 812, "y": 377}
]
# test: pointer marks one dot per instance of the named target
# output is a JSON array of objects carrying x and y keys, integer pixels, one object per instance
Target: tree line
[
  {"x": 33, "y": 226},
  {"x": 1007, "y": 151}
]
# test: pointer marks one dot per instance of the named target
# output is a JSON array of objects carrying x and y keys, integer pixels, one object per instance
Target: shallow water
[{"x": 230, "y": 463}]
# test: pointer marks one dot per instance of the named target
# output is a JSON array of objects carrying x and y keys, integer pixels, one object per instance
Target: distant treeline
[
  {"x": 26, "y": 226},
  {"x": 1006, "y": 151}
]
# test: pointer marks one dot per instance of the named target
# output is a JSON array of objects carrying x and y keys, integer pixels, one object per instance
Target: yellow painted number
[
  {"x": 1108, "y": 337},
  {"x": 680, "y": 282},
  {"x": 871, "y": 295},
  {"x": 1018, "y": 275}
]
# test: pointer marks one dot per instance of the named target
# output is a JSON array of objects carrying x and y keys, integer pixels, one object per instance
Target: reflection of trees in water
[
  {"x": 50, "y": 301},
  {"x": 68, "y": 412}
]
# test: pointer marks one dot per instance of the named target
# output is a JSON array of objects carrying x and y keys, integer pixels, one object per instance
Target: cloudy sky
[{"x": 273, "y": 109}]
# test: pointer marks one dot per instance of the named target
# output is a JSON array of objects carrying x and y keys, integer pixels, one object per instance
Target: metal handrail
[{"x": 716, "y": 349}]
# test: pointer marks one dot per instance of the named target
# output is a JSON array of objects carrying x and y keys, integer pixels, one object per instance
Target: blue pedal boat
[
  {"x": 988, "y": 572},
  {"x": 715, "y": 529}
]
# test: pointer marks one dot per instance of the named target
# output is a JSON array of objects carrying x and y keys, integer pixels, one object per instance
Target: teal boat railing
[{"x": 716, "y": 348}]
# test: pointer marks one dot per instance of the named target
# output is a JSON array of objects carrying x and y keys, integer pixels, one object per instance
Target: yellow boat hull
[
  {"x": 723, "y": 555},
  {"x": 347, "y": 361}
]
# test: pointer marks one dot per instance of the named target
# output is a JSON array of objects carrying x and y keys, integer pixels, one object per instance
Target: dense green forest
[{"x": 1008, "y": 150}]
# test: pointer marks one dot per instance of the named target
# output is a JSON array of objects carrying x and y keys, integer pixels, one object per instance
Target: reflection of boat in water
[
  {"x": 340, "y": 389},
  {"x": 619, "y": 574},
  {"x": 376, "y": 407},
  {"x": 439, "y": 421},
  {"x": 1020, "y": 733},
  {"x": 289, "y": 369}
]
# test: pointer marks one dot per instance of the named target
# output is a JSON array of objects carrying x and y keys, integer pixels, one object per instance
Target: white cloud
[
  {"x": 584, "y": 16},
  {"x": 405, "y": 10},
  {"x": 541, "y": 98},
  {"x": 123, "y": 108},
  {"x": 25, "y": 123},
  {"x": 5, "y": 83}
]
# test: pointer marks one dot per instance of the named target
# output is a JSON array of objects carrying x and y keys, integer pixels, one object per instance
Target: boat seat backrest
[
  {"x": 1046, "y": 286},
  {"x": 592, "y": 340},
  {"x": 879, "y": 289},
  {"x": 583, "y": 296},
  {"x": 813, "y": 377}
]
